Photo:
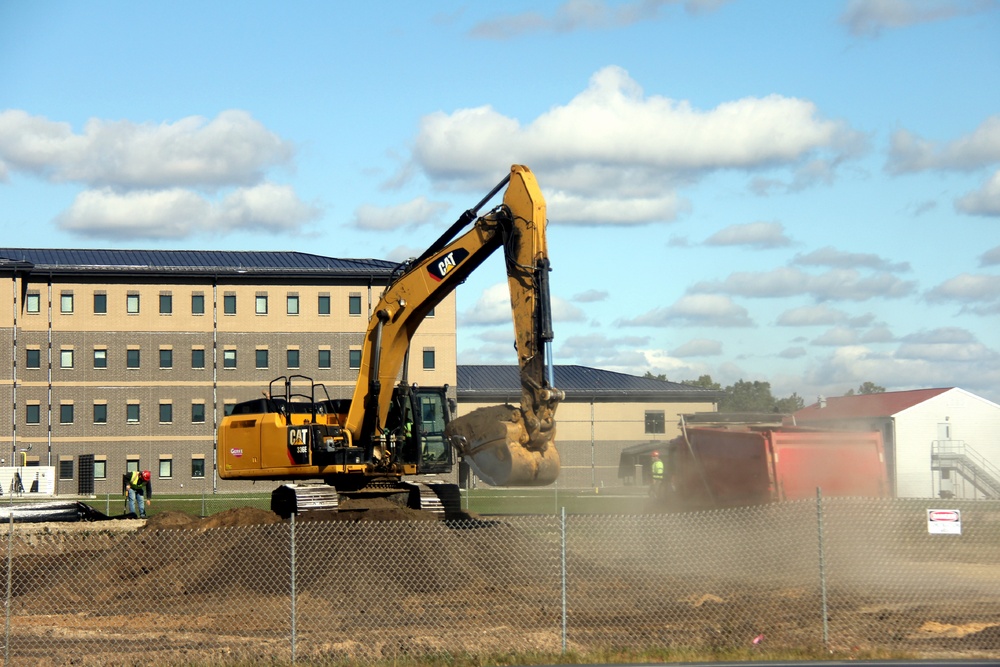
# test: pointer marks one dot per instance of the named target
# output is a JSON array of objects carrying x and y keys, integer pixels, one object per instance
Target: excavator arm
[{"x": 505, "y": 445}]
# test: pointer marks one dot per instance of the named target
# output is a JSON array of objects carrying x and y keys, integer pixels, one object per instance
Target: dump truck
[{"x": 716, "y": 467}]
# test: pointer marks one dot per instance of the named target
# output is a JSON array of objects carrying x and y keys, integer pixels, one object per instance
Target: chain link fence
[{"x": 838, "y": 573}]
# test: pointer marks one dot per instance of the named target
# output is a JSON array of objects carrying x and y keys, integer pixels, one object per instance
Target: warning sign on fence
[{"x": 944, "y": 522}]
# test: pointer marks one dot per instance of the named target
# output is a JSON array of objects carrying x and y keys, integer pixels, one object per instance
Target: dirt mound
[
  {"x": 239, "y": 516},
  {"x": 369, "y": 509}
]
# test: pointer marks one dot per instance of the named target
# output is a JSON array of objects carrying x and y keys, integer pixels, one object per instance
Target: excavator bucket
[{"x": 495, "y": 444}]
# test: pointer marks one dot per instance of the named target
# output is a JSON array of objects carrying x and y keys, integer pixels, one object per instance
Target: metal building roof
[
  {"x": 865, "y": 406},
  {"x": 578, "y": 382},
  {"x": 200, "y": 262}
]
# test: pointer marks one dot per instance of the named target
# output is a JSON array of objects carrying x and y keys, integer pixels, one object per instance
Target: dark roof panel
[
  {"x": 69, "y": 260},
  {"x": 580, "y": 381}
]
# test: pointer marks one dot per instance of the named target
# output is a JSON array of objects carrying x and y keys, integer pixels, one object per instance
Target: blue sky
[{"x": 806, "y": 193}]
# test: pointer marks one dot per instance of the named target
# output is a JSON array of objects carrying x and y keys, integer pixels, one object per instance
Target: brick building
[{"x": 124, "y": 359}]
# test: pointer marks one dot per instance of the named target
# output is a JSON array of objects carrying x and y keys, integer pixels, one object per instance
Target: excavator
[{"x": 390, "y": 435}]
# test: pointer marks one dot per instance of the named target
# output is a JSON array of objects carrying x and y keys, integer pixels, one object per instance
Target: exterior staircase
[{"x": 955, "y": 455}]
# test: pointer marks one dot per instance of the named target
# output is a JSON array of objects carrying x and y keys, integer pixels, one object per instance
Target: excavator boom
[{"x": 505, "y": 445}]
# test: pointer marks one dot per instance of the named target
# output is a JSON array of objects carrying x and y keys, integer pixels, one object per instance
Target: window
[
  {"x": 66, "y": 413},
  {"x": 197, "y": 468},
  {"x": 166, "y": 304},
  {"x": 32, "y": 413},
  {"x": 197, "y": 304},
  {"x": 354, "y": 359},
  {"x": 655, "y": 422},
  {"x": 100, "y": 303},
  {"x": 33, "y": 302},
  {"x": 261, "y": 304},
  {"x": 33, "y": 359},
  {"x": 100, "y": 413},
  {"x": 261, "y": 358},
  {"x": 293, "y": 358},
  {"x": 100, "y": 469},
  {"x": 65, "y": 358},
  {"x": 132, "y": 304},
  {"x": 197, "y": 413},
  {"x": 354, "y": 304},
  {"x": 66, "y": 468},
  {"x": 132, "y": 413},
  {"x": 66, "y": 302},
  {"x": 132, "y": 358},
  {"x": 166, "y": 468},
  {"x": 430, "y": 313},
  {"x": 166, "y": 358},
  {"x": 428, "y": 359},
  {"x": 229, "y": 304},
  {"x": 324, "y": 359},
  {"x": 166, "y": 413},
  {"x": 197, "y": 358},
  {"x": 227, "y": 409},
  {"x": 292, "y": 304},
  {"x": 324, "y": 304},
  {"x": 131, "y": 464},
  {"x": 229, "y": 358},
  {"x": 100, "y": 358}
]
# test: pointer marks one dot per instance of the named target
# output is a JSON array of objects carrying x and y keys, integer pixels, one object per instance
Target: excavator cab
[{"x": 417, "y": 418}]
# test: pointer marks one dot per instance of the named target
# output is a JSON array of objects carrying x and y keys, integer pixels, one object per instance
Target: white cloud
[
  {"x": 493, "y": 307},
  {"x": 830, "y": 256},
  {"x": 792, "y": 352},
  {"x": 839, "y": 284},
  {"x": 870, "y": 17},
  {"x": 591, "y": 296},
  {"x": 808, "y": 316},
  {"x": 984, "y": 201},
  {"x": 614, "y": 155},
  {"x": 980, "y": 148},
  {"x": 969, "y": 290},
  {"x": 753, "y": 234},
  {"x": 698, "y": 347},
  {"x": 177, "y": 213},
  {"x": 837, "y": 336},
  {"x": 231, "y": 149},
  {"x": 990, "y": 257},
  {"x": 409, "y": 214},
  {"x": 695, "y": 310},
  {"x": 575, "y": 15}
]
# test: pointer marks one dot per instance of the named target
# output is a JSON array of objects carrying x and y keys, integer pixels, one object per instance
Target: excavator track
[
  {"x": 290, "y": 499},
  {"x": 439, "y": 498}
]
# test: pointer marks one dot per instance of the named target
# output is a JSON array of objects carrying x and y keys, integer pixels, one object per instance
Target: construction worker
[
  {"x": 139, "y": 491},
  {"x": 657, "y": 469}
]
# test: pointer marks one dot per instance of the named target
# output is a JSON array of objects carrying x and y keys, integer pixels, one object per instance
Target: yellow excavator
[{"x": 390, "y": 429}]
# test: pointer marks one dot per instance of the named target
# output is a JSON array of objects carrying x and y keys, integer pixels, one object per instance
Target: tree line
[{"x": 756, "y": 396}]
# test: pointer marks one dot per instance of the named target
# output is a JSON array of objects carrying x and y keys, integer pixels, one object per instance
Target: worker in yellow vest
[
  {"x": 139, "y": 492},
  {"x": 657, "y": 470}
]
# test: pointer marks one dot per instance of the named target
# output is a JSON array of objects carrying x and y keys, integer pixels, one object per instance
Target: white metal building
[{"x": 939, "y": 443}]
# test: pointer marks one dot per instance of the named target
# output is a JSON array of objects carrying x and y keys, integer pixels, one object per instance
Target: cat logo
[{"x": 445, "y": 264}]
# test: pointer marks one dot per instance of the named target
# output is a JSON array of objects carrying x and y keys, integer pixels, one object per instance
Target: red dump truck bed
[{"x": 751, "y": 466}]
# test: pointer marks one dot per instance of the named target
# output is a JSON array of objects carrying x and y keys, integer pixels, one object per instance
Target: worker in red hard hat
[
  {"x": 657, "y": 473},
  {"x": 139, "y": 492}
]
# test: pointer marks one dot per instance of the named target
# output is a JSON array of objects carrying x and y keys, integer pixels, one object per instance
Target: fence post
[
  {"x": 292, "y": 524},
  {"x": 10, "y": 565},
  {"x": 562, "y": 569},
  {"x": 822, "y": 566}
]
